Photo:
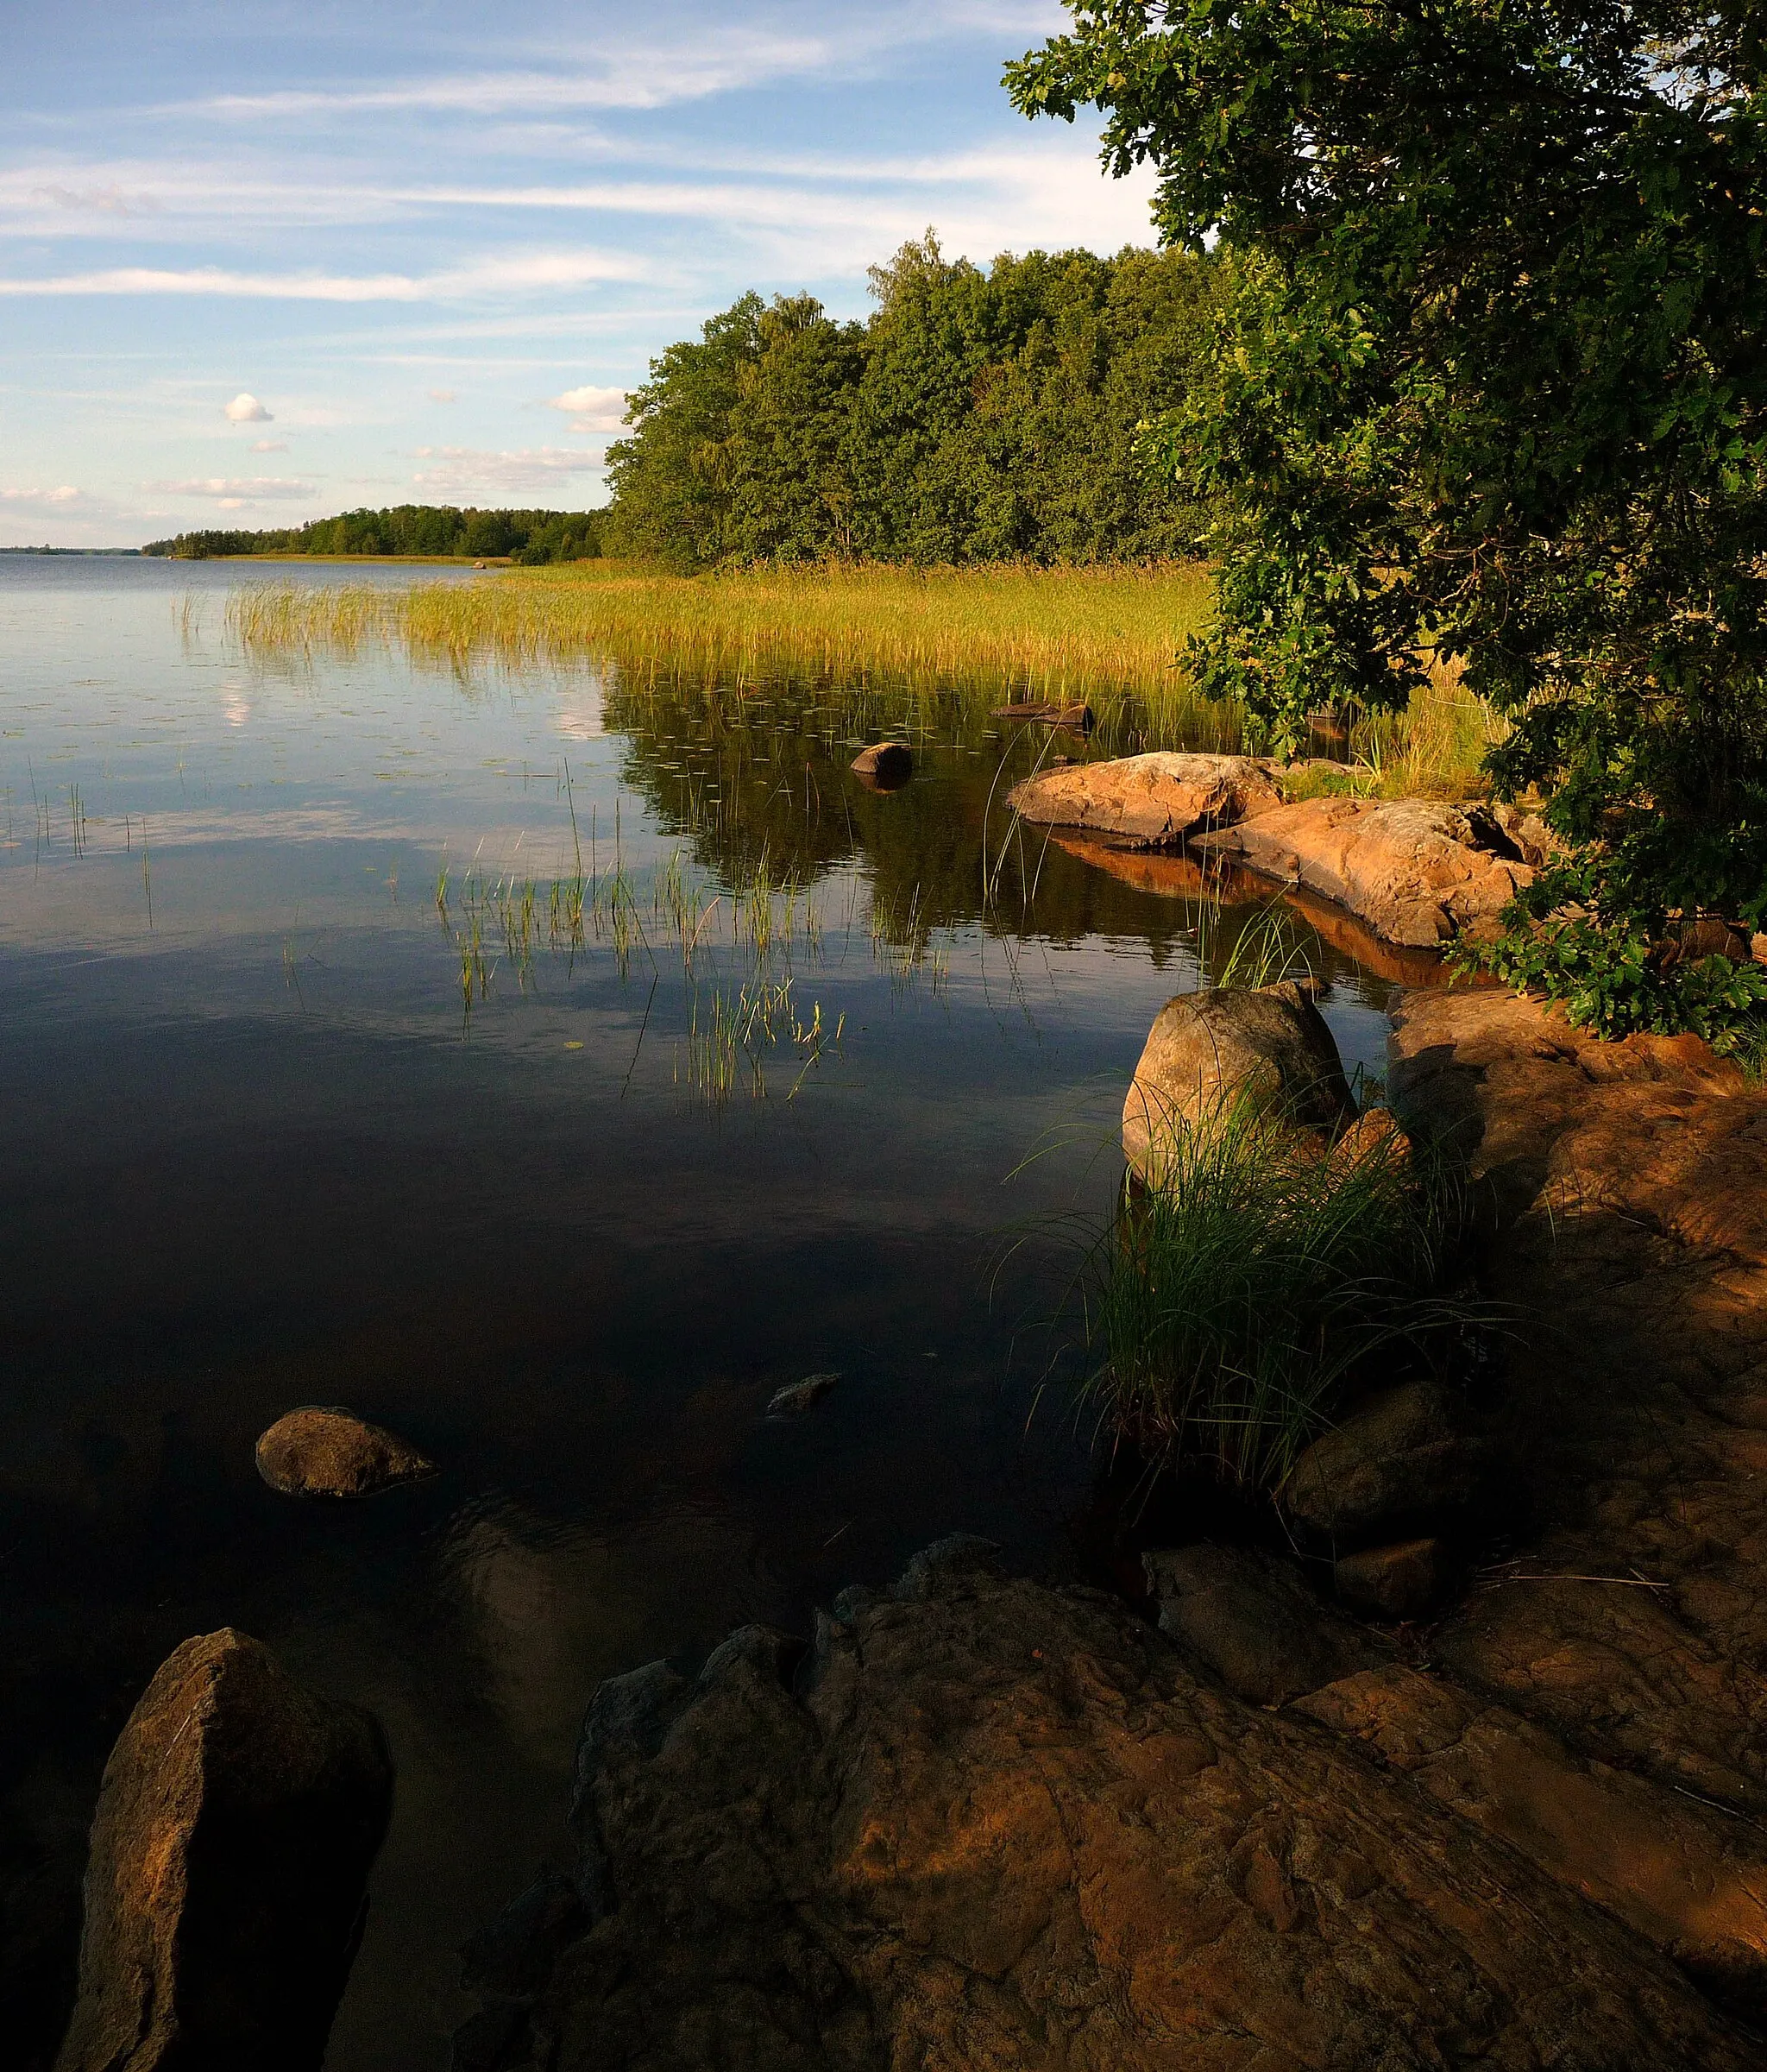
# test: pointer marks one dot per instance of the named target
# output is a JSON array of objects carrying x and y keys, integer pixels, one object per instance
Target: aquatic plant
[{"x": 1225, "y": 1310}]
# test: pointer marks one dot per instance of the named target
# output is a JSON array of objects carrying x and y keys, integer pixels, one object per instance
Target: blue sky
[{"x": 262, "y": 262}]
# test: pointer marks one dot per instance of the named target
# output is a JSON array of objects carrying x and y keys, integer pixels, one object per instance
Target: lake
[{"x": 550, "y": 1064}]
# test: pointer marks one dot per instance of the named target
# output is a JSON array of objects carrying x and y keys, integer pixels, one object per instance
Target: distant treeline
[
  {"x": 975, "y": 416},
  {"x": 528, "y": 537}
]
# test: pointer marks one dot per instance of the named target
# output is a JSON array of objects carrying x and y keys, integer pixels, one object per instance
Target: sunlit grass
[{"x": 1111, "y": 636}]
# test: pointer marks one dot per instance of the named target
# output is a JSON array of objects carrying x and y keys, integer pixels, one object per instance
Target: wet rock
[
  {"x": 316, "y": 1451},
  {"x": 885, "y": 765},
  {"x": 1156, "y": 800},
  {"x": 1398, "y": 1582},
  {"x": 1417, "y": 873},
  {"x": 1207, "y": 1050},
  {"x": 796, "y": 1397},
  {"x": 224, "y": 1894},
  {"x": 1252, "y": 1621},
  {"x": 1405, "y": 1457},
  {"x": 1009, "y": 1827},
  {"x": 1687, "y": 1879}
]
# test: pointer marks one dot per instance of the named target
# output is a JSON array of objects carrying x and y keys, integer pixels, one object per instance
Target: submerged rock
[
  {"x": 1206, "y": 1050},
  {"x": 224, "y": 1894},
  {"x": 1403, "y": 1458},
  {"x": 796, "y": 1397},
  {"x": 316, "y": 1452},
  {"x": 1417, "y": 873},
  {"x": 994, "y": 1823},
  {"x": 1155, "y": 800},
  {"x": 884, "y": 766}
]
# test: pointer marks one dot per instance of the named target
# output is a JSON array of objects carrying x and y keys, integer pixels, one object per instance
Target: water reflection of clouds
[
  {"x": 234, "y": 708},
  {"x": 579, "y": 715}
]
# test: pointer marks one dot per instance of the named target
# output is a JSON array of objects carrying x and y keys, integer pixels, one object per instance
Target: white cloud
[
  {"x": 52, "y": 503},
  {"x": 527, "y": 468},
  {"x": 232, "y": 490},
  {"x": 269, "y": 445},
  {"x": 444, "y": 395},
  {"x": 529, "y": 271},
  {"x": 246, "y": 409},
  {"x": 592, "y": 409}
]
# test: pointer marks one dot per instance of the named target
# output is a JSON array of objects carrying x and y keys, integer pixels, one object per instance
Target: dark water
[{"x": 260, "y": 1151}]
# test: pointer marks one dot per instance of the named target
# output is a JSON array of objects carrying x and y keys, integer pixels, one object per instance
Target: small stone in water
[{"x": 799, "y": 1396}]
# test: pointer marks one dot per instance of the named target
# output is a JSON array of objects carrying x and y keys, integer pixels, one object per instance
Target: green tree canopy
[
  {"x": 1495, "y": 380},
  {"x": 980, "y": 414}
]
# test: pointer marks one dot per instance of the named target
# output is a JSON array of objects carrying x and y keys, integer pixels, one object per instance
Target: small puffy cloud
[
  {"x": 269, "y": 445},
  {"x": 245, "y": 409},
  {"x": 232, "y": 490},
  {"x": 592, "y": 409},
  {"x": 444, "y": 395}
]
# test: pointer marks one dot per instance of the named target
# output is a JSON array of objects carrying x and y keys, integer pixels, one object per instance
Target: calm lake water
[{"x": 262, "y": 1148}]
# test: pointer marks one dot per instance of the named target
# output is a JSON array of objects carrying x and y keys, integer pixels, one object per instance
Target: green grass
[{"x": 1227, "y": 1310}]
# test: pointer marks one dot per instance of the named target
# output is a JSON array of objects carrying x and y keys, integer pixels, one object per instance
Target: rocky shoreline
[
  {"x": 1406, "y": 1797},
  {"x": 974, "y": 1820}
]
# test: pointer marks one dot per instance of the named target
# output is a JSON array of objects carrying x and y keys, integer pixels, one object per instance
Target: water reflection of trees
[{"x": 754, "y": 778}]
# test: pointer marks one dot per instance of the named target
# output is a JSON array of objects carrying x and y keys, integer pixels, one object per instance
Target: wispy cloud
[
  {"x": 108, "y": 200},
  {"x": 444, "y": 395},
  {"x": 529, "y": 272},
  {"x": 269, "y": 445},
  {"x": 232, "y": 490},
  {"x": 464, "y": 468}
]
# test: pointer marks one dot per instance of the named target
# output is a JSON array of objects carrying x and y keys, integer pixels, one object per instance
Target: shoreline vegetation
[{"x": 1113, "y": 635}]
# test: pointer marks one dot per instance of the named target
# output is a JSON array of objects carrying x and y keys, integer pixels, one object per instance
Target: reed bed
[
  {"x": 1112, "y": 636},
  {"x": 1010, "y": 630}
]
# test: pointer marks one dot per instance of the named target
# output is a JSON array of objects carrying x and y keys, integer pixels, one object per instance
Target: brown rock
[
  {"x": 1153, "y": 801},
  {"x": 237, "y": 1820},
  {"x": 885, "y": 765},
  {"x": 1207, "y": 1050},
  {"x": 316, "y": 1451},
  {"x": 1253, "y": 1622},
  {"x": 1391, "y": 1582},
  {"x": 1078, "y": 719},
  {"x": 1003, "y": 1826},
  {"x": 1689, "y": 1881},
  {"x": 1416, "y": 872},
  {"x": 1404, "y": 1458},
  {"x": 1626, "y": 1187}
]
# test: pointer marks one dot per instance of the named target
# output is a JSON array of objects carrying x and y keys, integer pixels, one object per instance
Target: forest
[
  {"x": 529, "y": 538},
  {"x": 978, "y": 414}
]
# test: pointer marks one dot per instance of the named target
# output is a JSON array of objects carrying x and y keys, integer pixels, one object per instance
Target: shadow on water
[{"x": 262, "y": 1157}]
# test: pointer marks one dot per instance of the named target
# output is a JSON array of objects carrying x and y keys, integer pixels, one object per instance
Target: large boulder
[
  {"x": 1685, "y": 1877},
  {"x": 991, "y": 1823},
  {"x": 1153, "y": 801},
  {"x": 1268, "y": 1047},
  {"x": 316, "y": 1451},
  {"x": 1417, "y": 873},
  {"x": 225, "y": 1895}
]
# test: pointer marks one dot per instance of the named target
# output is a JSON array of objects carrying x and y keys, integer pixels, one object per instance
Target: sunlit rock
[
  {"x": 224, "y": 1894},
  {"x": 316, "y": 1452}
]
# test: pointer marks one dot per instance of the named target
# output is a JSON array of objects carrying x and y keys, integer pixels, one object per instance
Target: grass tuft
[{"x": 1227, "y": 1309}]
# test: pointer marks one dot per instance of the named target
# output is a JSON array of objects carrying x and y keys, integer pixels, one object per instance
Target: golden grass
[{"x": 1111, "y": 635}]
